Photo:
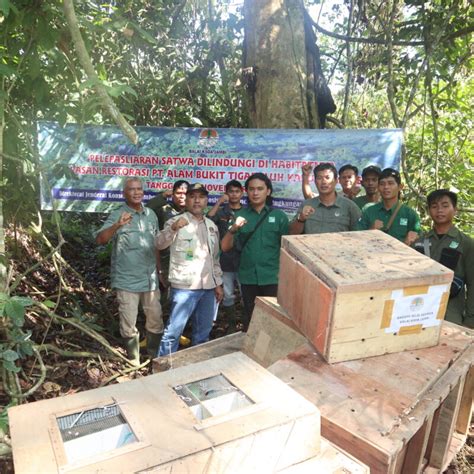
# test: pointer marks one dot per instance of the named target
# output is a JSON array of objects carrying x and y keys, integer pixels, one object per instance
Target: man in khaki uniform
[
  {"x": 194, "y": 274},
  {"x": 448, "y": 245}
]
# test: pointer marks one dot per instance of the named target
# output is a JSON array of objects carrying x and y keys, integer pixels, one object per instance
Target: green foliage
[
  {"x": 17, "y": 343},
  {"x": 432, "y": 87},
  {"x": 163, "y": 63}
]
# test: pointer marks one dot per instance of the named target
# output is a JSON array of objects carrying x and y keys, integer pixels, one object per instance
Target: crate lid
[{"x": 364, "y": 260}]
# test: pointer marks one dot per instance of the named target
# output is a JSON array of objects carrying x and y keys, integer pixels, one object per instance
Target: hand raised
[
  {"x": 223, "y": 199},
  {"x": 179, "y": 224},
  {"x": 377, "y": 225},
  {"x": 411, "y": 237},
  {"x": 306, "y": 212},
  {"x": 239, "y": 223},
  {"x": 307, "y": 169},
  {"x": 124, "y": 219}
]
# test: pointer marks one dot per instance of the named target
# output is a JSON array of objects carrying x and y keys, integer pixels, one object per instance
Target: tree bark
[{"x": 275, "y": 63}]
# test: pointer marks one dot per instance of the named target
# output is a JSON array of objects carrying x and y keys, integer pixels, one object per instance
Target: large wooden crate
[
  {"x": 243, "y": 420},
  {"x": 359, "y": 294},
  {"x": 398, "y": 413}
]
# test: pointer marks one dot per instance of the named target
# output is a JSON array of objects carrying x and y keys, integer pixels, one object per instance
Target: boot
[
  {"x": 153, "y": 344},
  {"x": 132, "y": 345}
]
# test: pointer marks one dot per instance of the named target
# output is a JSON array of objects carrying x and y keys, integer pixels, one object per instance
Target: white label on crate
[{"x": 416, "y": 309}]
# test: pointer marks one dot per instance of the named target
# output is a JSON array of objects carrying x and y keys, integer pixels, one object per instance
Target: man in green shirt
[
  {"x": 327, "y": 212},
  {"x": 455, "y": 250},
  {"x": 257, "y": 232},
  {"x": 370, "y": 182},
  {"x": 132, "y": 229},
  {"x": 391, "y": 215}
]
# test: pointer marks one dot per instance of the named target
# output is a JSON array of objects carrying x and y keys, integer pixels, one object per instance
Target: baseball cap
[
  {"x": 371, "y": 169},
  {"x": 197, "y": 187}
]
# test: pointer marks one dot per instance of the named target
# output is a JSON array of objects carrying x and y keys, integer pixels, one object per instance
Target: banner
[{"x": 86, "y": 165}]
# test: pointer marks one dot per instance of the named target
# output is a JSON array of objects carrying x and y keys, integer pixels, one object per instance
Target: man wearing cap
[
  {"x": 390, "y": 215},
  {"x": 194, "y": 273},
  {"x": 446, "y": 244},
  {"x": 328, "y": 212},
  {"x": 370, "y": 182},
  {"x": 132, "y": 229}
]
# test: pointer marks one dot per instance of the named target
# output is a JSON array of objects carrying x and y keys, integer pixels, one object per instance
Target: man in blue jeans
[{"x": 194, "y": 273}]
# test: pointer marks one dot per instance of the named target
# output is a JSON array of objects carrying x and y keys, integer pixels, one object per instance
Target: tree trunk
[{"x": 281, "y": 62}]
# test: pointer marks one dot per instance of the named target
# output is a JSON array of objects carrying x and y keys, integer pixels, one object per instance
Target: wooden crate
[
  {"x": 359, "y": 294},
  {"x": 276, "y": 429},
  {"x": 398, "y": 413}
]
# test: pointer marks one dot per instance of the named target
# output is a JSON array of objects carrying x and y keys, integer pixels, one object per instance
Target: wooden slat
[
  {"x": 414, "y": 454},
  {"x": 465, "y": 410},
  {"x": 307, "y": 300},
  {"x": 445, "y": 427}
]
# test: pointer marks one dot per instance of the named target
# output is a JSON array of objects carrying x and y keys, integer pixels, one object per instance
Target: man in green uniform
[
  {"x": 257, "y": 233},
  {"x": 370, "y": 182},
  {"x": 328, "y": 212},
  {"x": 391, "y": 215},
  {"x": 454, "y": 249},
  {"x": 166, "y": 210},
  {"x": 132, "y": 229}
]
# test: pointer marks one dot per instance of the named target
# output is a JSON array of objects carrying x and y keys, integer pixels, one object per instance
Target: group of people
[{"x": 204, "y": 254}]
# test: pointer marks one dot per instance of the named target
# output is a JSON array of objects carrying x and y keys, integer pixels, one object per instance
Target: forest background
[{"x": 199, "y": 63}]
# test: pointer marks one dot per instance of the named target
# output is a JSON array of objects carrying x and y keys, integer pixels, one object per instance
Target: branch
[
  {"x": 85, "y": 60},
  {"x": 335, "y": 121},
  {"x": 370, "y": 40},
  {"x": 390, "y": 82},
  {"x": 65, "y": 353},
  {"x": 86, "y": 330},
  {"x": 374, "y": 40},
  {"x": 35, "y": 266}
]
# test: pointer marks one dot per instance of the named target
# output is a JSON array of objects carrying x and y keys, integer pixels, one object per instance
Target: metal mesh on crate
[{"x": 90, "y": 421}]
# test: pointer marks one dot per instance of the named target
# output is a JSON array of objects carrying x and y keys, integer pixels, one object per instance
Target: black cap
[
  {"x": 372, "y": 169},
  {"x": 391, "y": 173},
  {"x": 197, "y": 187}
]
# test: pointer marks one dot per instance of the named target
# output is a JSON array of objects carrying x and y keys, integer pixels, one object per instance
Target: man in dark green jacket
[
  {"x": 390, "y": 215},
  {"x": 454, "y": 249}
]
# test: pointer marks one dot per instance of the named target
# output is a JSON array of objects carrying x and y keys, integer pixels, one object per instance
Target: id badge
[{"x": 189, "y": 254}]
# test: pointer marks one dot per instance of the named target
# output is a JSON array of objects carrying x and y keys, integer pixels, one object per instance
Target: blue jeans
[
  {"x": 200, "y": 305},
  {"x": 228, "y": 282}
]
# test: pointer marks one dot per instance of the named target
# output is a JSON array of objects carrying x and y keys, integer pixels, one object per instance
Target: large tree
[{"x": 282, "y": 70}]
